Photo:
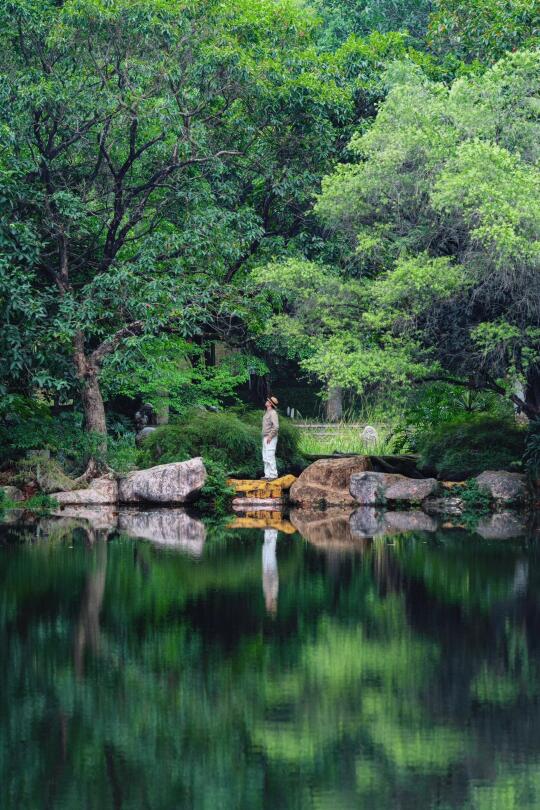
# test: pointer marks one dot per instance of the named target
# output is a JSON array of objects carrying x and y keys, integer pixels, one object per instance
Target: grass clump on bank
[
  {"x": 463, "y": 448},
  {"x": 39, "y": 504}
]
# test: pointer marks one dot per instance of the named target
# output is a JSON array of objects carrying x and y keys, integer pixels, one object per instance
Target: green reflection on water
[{"x": 397, "y": 672}]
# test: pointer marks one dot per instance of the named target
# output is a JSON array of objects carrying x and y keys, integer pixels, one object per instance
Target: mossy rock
[{"x": 46, "y": 473}]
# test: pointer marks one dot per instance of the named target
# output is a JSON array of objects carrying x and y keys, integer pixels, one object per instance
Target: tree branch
[
  {"x": 111, "y": 344},
  {"x": 234, "y": 268}
]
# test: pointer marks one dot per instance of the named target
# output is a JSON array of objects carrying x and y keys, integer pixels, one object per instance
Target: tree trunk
[
  {"x": 88, "y": 630},
  {"x": 334, "y": 404},
  {"x": 532, "y": 393},
  {"x": 92, "y": 401},
  {"x": 94, "y": 410}
]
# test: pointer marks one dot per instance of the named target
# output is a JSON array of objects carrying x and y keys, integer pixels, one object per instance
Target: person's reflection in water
[{"x": 270, "y": 577}]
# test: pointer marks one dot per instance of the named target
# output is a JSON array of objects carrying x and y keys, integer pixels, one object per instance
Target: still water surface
[{"x": 235, "y": 668}]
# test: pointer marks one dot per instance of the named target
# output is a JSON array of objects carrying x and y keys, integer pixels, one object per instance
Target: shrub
[
  {"x": 122, "y": 452},
  {"x": 28, "y": 424},
  {"x": 230, "y": 444},
  {"x": 465, "y": 447},
  {"x": 431, "y": 405},
  {"x": 476, "y": 503},
  {"x": 216, "y": 491}
]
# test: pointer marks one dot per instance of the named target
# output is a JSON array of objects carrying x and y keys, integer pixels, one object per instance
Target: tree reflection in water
[
  {"x": 399, "y": 671},
  {"x": 87, "y": 630}
]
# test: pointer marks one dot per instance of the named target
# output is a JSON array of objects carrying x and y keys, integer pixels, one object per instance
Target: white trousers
[{"x": 269, "y": 457}]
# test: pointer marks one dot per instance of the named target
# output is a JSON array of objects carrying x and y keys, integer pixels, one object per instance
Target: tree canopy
[
  {"x": 440, "y": 212},
  {"x": 161, "y": 173},
  {"x": 147, "y": 147},
  {"x": 484, "y": 30}
]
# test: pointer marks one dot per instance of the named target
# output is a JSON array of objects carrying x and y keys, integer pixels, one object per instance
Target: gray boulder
[
  {"x": 503, "y": 486},
  {"x": 377, "y": 488},
  {"x": 370, "y": 437},
  {"x": 102, "y": 490},
  {"x": 165, "y": 527},
  {"x": 143, "y": 434},
  {"x": 12, "y": 493},
  {"x": 178, "y": 482}
]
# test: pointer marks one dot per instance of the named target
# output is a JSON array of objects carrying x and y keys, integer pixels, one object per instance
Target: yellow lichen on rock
[{"x": 261, "y": 489}]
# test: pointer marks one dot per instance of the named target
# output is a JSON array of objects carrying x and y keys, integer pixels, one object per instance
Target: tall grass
[{"x": 344, "y": 438}]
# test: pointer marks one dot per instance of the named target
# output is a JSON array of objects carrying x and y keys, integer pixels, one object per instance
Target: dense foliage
[
  {"x": 159, "y": 165},
  {"x": 141, "y": 169},
  {"x": 343, "y": 17},
  {"x": 484, "y": 29},
  {"x": 440, "y": 211},
  {"x": 465, "y": 447}
]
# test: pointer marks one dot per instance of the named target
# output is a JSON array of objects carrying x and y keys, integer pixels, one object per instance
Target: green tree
[
  {"x": 124, "y": 213},
  {"x": 344, "y": 17},
  {"x": 484, "y": 30},
  {"x": 441, "y": 215}
]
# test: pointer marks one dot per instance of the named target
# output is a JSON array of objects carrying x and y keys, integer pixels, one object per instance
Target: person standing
[{"x": 270, "y": 430}]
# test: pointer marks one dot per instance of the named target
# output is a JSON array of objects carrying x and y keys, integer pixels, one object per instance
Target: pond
[{"x": 167, "y": 664}]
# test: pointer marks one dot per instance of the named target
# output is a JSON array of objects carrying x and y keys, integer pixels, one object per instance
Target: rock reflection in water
[
  {"x": 338, "y": 529},
  {"x": 396, "y": 674},
  {"x": 501, "y": 526},
  {"x": 98, "y": 517},
  {"x": 165, "y": 527},
  {"x": 368, "y": 522},
  {"x": 329, "y": 529}
]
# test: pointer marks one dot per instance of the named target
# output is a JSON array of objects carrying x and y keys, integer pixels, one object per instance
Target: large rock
[
  {"x": 165, "y": 527},
  {"x": 143, "y": 434},
  {"x": 327, "y": 481},
  {"x": 102, "y": 490},
  {"x": 178, "y": 482},
  {"x": 378, "y": 488},
  {"x": 502, "y": 486}
]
